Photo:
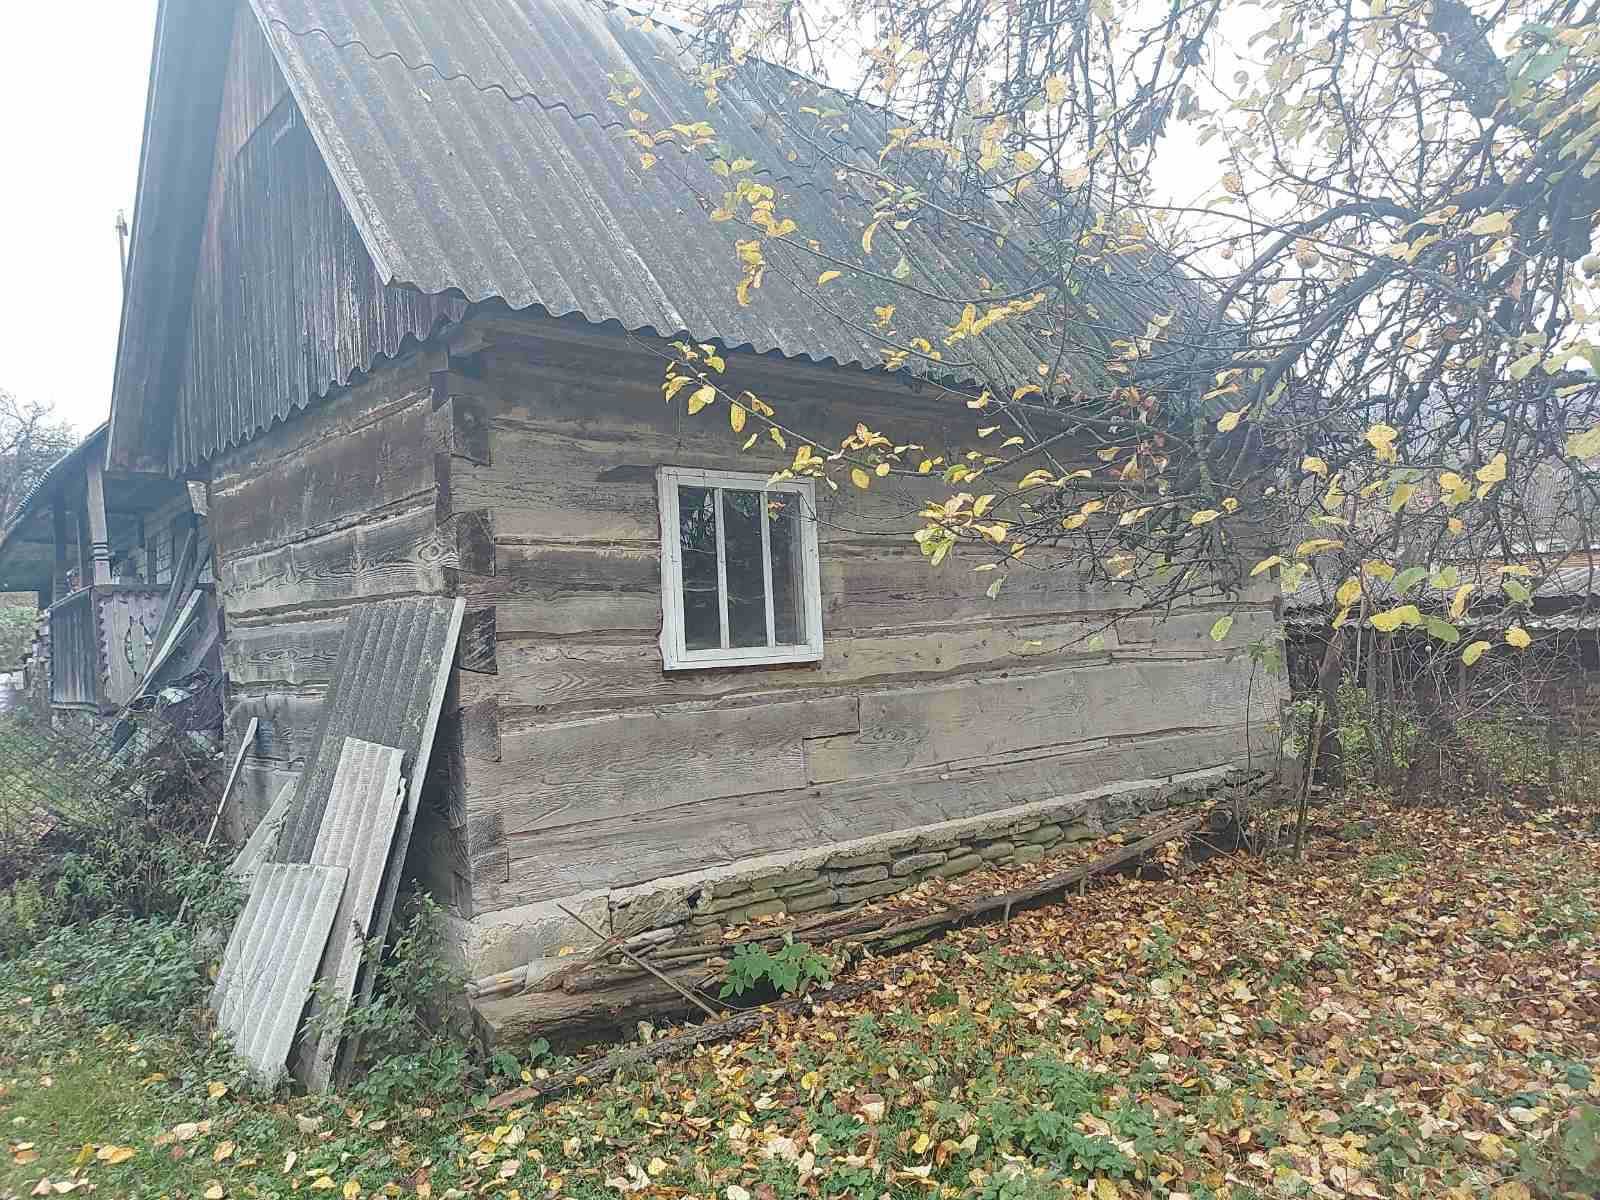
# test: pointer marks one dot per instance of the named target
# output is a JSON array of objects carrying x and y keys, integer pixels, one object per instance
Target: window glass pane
[
  {"x": 788, "y": 592},
  {"x": 697, "y": 541},
  {"x": 747, "y": 587}
]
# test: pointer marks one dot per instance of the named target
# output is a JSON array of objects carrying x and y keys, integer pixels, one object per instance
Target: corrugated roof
[
  {"x": 271, "y": 960},
  {"x": 357, "y": 832},
  {"x": 387, "y": 687},
  {"x": 475, "y": 145}
]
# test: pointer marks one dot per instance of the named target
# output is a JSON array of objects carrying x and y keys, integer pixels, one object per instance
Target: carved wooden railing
[{"x": 99, "y": 643}]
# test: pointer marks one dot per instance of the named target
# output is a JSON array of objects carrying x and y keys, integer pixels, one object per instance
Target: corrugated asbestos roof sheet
[
  {"x": 1570, "y": 581},
  {"x": 262, "y": 843},
  {"x": 388, "y": 686},
  {"x": 475, "y": 145},
  {"x": 271, "y": 960},
  {"x": 357, "y": 832}
]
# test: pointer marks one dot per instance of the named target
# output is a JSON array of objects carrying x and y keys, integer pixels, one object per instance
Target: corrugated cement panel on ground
[
  {"x": 388, "y": 686},
  {"x": 271, "y": 960},
  {"x": 358, "y": 831}
]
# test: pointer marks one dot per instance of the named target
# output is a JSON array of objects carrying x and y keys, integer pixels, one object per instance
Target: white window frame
[{"x": 675, "y": 654}]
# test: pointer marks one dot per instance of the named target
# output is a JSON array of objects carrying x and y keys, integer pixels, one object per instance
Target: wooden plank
[
  {"x": 559, "y": 588},
  {"x": 600, "y": 485},
  {"x": 291, "y": 653},
  {"x": 925, "y": 726},
  {"x": 478, "y": 649},
  {"x": 671, "y": 838},
  {"x": 560, "y": 678},
  {"x": 333, "y": 482},
  {"x": 558, "y": 775},
  {"x": 288, "y": 722},
  {"x": 401, "y": 555}
]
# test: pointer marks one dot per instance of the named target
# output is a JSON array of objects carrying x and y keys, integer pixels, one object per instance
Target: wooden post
[
  {"x": 95, "y": 504},
  {"x": 58, "y": 532},
  {"x": 85, "y": 574}
]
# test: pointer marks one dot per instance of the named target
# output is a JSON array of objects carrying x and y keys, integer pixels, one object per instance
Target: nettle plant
[{"x": 1362, "y": 356}]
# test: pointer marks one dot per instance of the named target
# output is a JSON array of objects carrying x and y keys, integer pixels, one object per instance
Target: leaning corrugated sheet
[
  {"x": 262, "y": 844},
  {"x": 271, "y": 960},
  {"x": 479, "y": 153},
  {"x": 387, "y": 687},
  {"x": 357, "y": 832}
]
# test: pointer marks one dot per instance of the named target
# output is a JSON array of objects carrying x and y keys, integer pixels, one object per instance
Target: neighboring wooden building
[
  {"x": 100, "y": 549},
  {"x": 397, "y": 293}
]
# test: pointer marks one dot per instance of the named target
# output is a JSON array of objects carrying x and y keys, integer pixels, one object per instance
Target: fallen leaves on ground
[{"x": 1412, "y": 1013}]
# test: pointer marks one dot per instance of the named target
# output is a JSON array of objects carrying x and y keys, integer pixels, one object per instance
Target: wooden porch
[{"x": 101, "y": 640}]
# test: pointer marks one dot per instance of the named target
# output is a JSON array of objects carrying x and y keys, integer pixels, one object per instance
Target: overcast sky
[{"x": 72, "y": 88}]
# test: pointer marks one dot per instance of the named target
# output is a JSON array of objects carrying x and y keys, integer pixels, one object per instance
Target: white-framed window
[{"x": 739, "y": 577}]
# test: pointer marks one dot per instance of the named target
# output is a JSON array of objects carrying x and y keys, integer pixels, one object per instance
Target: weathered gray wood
[
  {"x": 558, "y": 775},
  {"x": 566, "y": 677},
  {"x": 340, "y": 479},
  {"x": 289, "y": 653},
  {"x": 925, "y": 726},
  {"x": 637, "y": 847},
  {"x": 478, "y": 650},
  {"x": 245, "y": 744},
  {"x": 400, "y": 555},
  {"x": 561, "y": 589},
  {"x": 288, "y": 721}
]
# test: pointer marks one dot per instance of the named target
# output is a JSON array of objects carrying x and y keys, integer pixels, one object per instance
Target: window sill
[{"x": 754, "y": 656}]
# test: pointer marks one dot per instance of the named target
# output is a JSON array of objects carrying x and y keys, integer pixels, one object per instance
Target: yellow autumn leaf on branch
[
  {"x": 1474, "y": 652},
  {"x": 702, "y": 396},
  {"x": 1349, "y": 592},
  {"x": 1458, "y": 603},
  {"x": 1204, "y": 517},
  {"x": 1491, "y": 473},
  {"x": 1584, "y": 445},
  {"x": 1230, "y": 421},
  {"x": 1381, "y": 438},
  {"x": 1454, "y": 489},
  {"x": 1518, "y": 637},
  {"x": 736, "y": 417},
  {"x": 860, "y": 478},
  {"x": 1490, "y": 224},
  {"x": 1391, "y": 619},
  {"x": 1316, "y": 546},
  {"x": 1314, "y": 465},
  {"x": 1266, "y": 564}
]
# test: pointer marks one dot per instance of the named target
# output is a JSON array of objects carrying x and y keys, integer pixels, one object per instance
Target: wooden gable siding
[
  {"x": 578, "y": 763},
  {"x": 286, "y": 303}
]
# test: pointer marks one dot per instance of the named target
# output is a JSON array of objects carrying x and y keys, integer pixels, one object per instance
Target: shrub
[
  {"x": 115, "y": 970},
  {"x": 411, "y": 1033},
  {"x": 794, "y": 968}
]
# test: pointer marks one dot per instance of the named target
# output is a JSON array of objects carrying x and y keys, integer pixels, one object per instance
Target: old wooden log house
[{"x": 397, "y": 296}]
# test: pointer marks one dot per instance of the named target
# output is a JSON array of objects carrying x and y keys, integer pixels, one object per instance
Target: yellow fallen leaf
[
  {"x": 115, "y": 1155},
  {"x": 214, "y": 1192},
  {"x": 826, "y": 276},
  {"x": 216, "y": 1089},
  {"x": 223, "y": 1152},
  {"x": 322, "y": 1184}
]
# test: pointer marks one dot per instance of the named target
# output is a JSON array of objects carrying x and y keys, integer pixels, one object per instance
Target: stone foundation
[{"x": 705, "y": 904}]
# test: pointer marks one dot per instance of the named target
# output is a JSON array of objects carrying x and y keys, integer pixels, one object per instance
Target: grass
[{"x": 1417, "y": 1015}]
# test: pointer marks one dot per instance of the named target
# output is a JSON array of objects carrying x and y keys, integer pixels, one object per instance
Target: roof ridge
[{"x": 452, "y": 77}]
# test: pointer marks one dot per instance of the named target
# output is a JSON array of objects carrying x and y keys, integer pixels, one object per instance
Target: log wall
[
  {"x": 332, "y": 508},
  {"x": 581, "y": 765},
  {"x": 569, "y": 762}
]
